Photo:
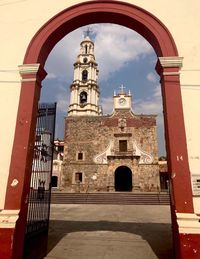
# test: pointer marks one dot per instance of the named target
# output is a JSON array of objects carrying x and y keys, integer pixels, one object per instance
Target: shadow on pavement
[{"x": 157, "y": 235}]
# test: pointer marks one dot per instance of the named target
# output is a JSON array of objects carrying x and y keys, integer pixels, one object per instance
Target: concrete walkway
[{"x": 110, "y": 232}]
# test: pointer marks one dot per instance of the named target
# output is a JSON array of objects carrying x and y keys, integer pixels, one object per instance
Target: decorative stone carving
[
  {"x": 122, "y": 123},
  {"x": 102, "y": 157},
  {"x": 145, "y": 158}
]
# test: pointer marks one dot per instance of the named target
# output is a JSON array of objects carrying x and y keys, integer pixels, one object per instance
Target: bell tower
[{"x": 84, "y": 96}]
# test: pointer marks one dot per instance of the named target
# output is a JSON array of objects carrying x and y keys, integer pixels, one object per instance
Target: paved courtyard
[{"x": 110, "y": 232}]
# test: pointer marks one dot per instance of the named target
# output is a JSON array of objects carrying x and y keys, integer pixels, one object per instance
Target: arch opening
[
  {"x": 54, "y": 181},
  {"x": 84, "y": 75},
  {"x": 156, "y": 34},
  {"x": 123, "y": 179},
  {"x": 83, "y": 97}
]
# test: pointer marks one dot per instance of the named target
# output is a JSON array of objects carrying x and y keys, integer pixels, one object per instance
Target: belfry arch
[{"x": 32, "y": 73}]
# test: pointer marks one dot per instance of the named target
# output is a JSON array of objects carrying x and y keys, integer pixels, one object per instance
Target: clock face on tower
[{"x": 122, "y": 101}]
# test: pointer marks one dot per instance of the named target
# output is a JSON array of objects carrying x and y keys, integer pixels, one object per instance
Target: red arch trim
[{"x": 85, "y": 13}]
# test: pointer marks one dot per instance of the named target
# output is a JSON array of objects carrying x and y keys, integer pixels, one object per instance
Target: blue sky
[{"x": 123, "y": 57}]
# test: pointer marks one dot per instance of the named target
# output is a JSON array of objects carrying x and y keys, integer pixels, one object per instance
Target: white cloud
[
  {"x": 111, "y": 50},
  {"x": 152, "y": 77},
  {"x": 62, "y": 99},
  {"x": 51, "y": 76},
  {"x": 150, "y": 105},
  {"x": 107, "y": 104},
  {"x": 115, "y": 46},
  {"x": 61, "y": 59},
  {"x": 153, "y": 105}
]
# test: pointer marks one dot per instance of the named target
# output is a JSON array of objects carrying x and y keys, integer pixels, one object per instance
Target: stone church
[{"x": 106, "y": 153}]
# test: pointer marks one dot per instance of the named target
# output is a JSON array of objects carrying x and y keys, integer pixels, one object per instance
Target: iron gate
[{"x": 40, "y": 185}]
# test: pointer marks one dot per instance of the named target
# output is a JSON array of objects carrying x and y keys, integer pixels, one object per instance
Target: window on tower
[
  {"x": 83, "y": 97},
  {"x": 84, "y": 75}
]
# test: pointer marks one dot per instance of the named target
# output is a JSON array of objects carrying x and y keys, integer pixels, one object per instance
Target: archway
[
  {"x": 123, "y": 179},
  {"x": 54, "y": 181},
  {"x": 32, "y": 73}
]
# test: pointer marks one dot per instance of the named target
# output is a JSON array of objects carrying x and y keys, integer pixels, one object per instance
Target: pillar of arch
[{"x": 168, "y": 66}]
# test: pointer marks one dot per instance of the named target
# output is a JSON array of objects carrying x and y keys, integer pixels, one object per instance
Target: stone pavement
[{"x": 110, "y": 232}]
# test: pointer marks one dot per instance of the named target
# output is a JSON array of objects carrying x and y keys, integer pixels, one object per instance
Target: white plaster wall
[
  {"x": 21, "y": 19},
  {"x": 9, "y": 95},
  {"x": 191, "y": 104}
]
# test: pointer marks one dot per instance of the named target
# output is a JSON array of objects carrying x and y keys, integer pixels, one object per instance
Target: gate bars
[{"x": 40, "y": 185}]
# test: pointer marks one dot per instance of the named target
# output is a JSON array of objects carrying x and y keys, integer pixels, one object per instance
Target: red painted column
[
  {"x": 6, "y": 240},
  {"x": 168, "y": 69},
  {"x": 21, "y": 160},
  {"x": 190, "y": 246},
  {"x": 181, "y": 193}
]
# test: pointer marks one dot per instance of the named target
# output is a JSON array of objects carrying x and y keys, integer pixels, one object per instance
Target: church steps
[{"x": 110, "y": 198}]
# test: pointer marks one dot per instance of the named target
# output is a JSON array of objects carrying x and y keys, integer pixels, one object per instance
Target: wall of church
[
  {"x": 97, "y": 138},
  {"x": 22, "y": 19},
  {"x": 191, "y": 95}
]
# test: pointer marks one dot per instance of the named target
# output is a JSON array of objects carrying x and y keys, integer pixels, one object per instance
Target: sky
[{"x": 123, "y": 57}]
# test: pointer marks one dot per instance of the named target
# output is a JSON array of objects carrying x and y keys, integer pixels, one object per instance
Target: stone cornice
[
  {"x": 29, "y": 69},
  {"x": 169, "y": 66},
  {"x": 188, "y": 223},
  {"x": 31, "y": 72},
  {"x": 172, "y": 62},
  {"x": 8, "y": 218}
]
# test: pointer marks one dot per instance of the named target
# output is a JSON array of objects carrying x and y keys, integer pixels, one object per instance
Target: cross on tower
[
  {"x": 87, "y": 32},
  {"x": 122, "y": 88}
]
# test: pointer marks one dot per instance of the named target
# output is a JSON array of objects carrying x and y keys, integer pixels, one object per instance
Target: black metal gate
[{"x": 40, "y": 186}]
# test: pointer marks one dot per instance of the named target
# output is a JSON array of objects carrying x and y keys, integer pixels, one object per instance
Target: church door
[
  {"x": 54, "y": 181},
  {"x": 123, "y": 179}
]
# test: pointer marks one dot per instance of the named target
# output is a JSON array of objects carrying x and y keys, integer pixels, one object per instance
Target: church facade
[{"x": 106, "y": 153}]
